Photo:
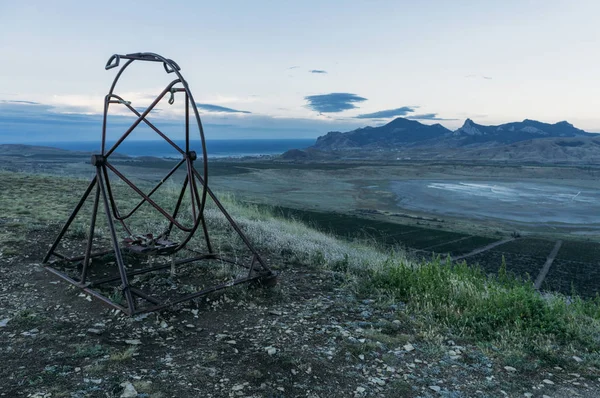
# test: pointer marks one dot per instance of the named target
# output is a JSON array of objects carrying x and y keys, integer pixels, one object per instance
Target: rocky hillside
[
  {"x": 526, "y": 141},
  {"x": 409, "y": 133},
  {"x": 398, "y": 132},
  {"x": 472, "y": 133}
]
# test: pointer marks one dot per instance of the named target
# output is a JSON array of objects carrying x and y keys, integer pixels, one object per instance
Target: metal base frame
[{"x": 258, "y": 271}]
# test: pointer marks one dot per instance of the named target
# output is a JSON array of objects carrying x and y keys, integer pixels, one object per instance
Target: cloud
[
  {"x": 388, "y": 113},
  {"x": 218, "y": 109},
  {"x": 334, "y": 102},
  {"x": 317, "y": 71},
  {"x": 28, "y": 123},
  {"x": 293, "y": 67},
  {"x": 20, "y": 102},
  {"x": 427, "y": 116}
]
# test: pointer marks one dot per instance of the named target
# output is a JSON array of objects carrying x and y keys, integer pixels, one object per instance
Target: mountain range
[{"x": 529, "y": 140}]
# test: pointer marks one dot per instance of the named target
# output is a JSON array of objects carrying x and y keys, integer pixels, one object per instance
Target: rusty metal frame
[{"x": 160, "y": 245}]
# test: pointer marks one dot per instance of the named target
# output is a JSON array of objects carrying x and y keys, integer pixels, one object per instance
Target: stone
[
  {"x": 378, "y": 381},
  {"x": 549, "y": 382},
  {"x": 510, "y": 369},
  {"x": 4, "y": 322},
  {"x": 576, "y": 358},
  {"x": 408, "y": 347},
  {"x": 128, "y": 390},
  {"x": 93, "y": 331},
  {"x": 271, "y": 350},
  {"x": 237, "y": 387},
  {"x": 435, "y": 388},
  {"x": 133, "y": 342}
]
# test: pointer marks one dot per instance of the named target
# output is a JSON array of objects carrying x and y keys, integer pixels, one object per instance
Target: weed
[
  {"x": 93, "y": 351},
  {"x": 125, "y": 355}
]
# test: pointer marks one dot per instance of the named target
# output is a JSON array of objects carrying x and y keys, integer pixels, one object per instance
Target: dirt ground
[{"x": 310, "y": 336}]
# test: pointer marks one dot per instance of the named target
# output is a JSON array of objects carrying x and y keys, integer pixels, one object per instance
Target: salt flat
[{"x": 542, "y": 201}]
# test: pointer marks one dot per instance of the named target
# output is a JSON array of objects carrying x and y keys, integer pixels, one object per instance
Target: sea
[{"x": 234, "y": 148}]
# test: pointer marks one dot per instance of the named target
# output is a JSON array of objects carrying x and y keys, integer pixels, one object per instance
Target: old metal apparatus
[{"x": 78, "y": 268}]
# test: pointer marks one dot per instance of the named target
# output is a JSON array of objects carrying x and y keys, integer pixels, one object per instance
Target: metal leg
[
  {"x": 116, "y": 246},
  {"x": 71, "y": 218},
  {"x": 88, "y": 249}
]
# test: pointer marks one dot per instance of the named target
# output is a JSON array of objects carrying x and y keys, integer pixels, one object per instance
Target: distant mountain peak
[
  {"x": 468, "y": 128},
  {"x": 397, "y": 133}
]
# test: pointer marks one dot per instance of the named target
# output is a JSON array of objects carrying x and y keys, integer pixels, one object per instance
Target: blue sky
[{"x": 267, "y": 69}]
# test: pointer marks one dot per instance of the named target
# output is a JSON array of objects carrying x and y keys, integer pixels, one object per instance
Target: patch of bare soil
[{"x": 307, "y": 337}]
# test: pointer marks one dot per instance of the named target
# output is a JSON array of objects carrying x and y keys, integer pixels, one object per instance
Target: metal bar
[
  {"x": 143, "y": 195},
  {"x": 61, "y": 256},
  {"x": 79, "y": 258},
  {"x": 192, "y": 189},
  {"x": 104, "y": 125},
  {"x": 70, "y": 220},
  {"x": 151, "y": 269},
  {"x": 187, "y": 123},
  {"x": 145, "y": 296},
  {"x": 113, "y": 203},
  {"x": 88, "y": 249},
  {"x": 88, "y": 290},
  {"x": 129, "y": 274},
  {"x": 232, "y": 222},
  {"x": 152, "y": 191},
  {"x": 152, "y": 126},
  {"x": 192, "y": 259},
  {"x": 116, "y": 247},
  {"x": 141, "y": 117},
  {"x": 176, "y": 210},
  {"x": 201, "y": 293}
]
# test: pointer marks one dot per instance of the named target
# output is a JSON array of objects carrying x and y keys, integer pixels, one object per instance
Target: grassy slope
[{"x": 504, "y": 315}]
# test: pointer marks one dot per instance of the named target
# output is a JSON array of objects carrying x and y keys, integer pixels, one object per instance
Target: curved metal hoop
[{"x": 198, "y": 201}]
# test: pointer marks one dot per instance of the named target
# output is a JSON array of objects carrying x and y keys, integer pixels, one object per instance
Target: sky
[{"x": 298, "y": 69}]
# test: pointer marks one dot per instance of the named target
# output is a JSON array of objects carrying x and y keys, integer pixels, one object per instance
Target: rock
[
  {"x": 4, "y": 322},
  {"x": 96, "y": 332},
  {"x": 528, "y": 395},
  {"x": 510, "y": 369},
  {"x": 408, "y": 347},
  {"x": 435, "y": 388},
  {"x": 133, "y": 342},
  {"x": 275, "y": 312},
  {"x": 232, "y": 342},
  {"x": 549, "y": 382},
  {"x": 128, "y": 390},
  {"x": 237, "y": 387},
  {"x": 378, "y": 381},
  {"x": 271, "y": 350},
  {"x": 360, "y": 390},
  {"x": 576, "y": 358}
]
